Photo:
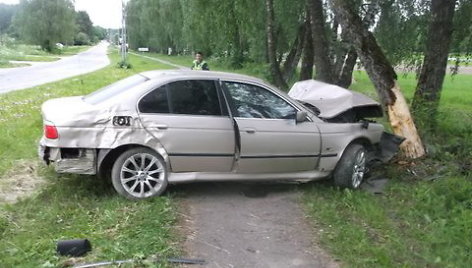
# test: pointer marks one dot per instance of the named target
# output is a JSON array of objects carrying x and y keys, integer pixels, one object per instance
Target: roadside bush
[
  {"x": 81, "y": 39},
  {"x": 124, "y": 65}
]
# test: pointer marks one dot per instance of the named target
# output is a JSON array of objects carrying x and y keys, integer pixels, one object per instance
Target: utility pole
[{"x": 123, "y": 32}]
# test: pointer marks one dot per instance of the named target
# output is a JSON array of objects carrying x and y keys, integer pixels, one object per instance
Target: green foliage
[
  {"x": 82, "y": 39},
  {"x": 46, "y": 22},
  {"x": 462, "y": 35},
  {"x": 400, "y": 21},
  {"x": 124, "y": 64},
  {"x": 86, "y": 33},
  {"x": 6, "y": 15},
  {"x": 99, "y": 33},
  {"x": 155, "y": 24},
  {"x": 83, "y": 23},
  {"x": 227, "y": 29}
]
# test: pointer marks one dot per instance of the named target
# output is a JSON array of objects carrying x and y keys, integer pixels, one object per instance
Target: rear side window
[
  {"x": 155, "y": 102},
  {"x": 193, "y": 97},
  {"x": 197, "y": 97}
]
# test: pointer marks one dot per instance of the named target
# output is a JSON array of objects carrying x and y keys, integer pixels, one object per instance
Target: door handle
[
  {"x": 250, "y": 130},
  {"x": 161, "y": 126}
]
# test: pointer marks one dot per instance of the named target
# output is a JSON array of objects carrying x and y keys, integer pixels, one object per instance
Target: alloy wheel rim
[
  {"x": 142, "y": 175},
  {"x": 358, "y": 169}
]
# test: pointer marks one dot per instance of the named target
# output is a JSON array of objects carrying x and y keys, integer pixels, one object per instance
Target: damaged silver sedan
[{"x": 166, "y": 127}]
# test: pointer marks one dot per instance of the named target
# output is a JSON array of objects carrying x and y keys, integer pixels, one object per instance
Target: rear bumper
[{"x": 70, "y": 160}]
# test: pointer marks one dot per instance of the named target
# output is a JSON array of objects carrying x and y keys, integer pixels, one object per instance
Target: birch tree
[{"x": 383, "y": 77}]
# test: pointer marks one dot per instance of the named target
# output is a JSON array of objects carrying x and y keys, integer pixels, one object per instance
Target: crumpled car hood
[{"x": 331, "y": 100}]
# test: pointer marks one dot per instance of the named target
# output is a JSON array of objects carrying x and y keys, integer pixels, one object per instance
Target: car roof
[{"x": 189, "y": 74}]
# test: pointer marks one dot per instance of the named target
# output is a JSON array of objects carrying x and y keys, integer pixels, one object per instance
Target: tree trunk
[
  {"x": 294, "y": 55},
  {"x": 382, "y": 75},
  {"x": 324, "y": 69},
  {"x": 346, "y": 68},
  {"x": 272, "y": 46},
  {"x": 306, "y": 71},
  {"x": 345, "y": 75},
  {"x": 428, "y": 91},
  {"x": 236, "y": 46}
]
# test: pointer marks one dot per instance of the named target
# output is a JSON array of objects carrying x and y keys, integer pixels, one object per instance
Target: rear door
[
  {"x": 271, "y": 140},
  {"x": 192, "y": 124}
]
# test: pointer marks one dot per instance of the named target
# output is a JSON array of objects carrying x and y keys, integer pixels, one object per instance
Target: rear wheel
[
  {"x": 351, "y": 168},
  {"x": 139, "y": 173}
]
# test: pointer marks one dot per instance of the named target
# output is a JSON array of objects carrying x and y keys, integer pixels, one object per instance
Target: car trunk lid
[{"x": 72, "y": 112}]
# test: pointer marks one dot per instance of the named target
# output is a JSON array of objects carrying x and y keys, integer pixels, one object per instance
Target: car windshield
[{"x": 114, "y": 89}]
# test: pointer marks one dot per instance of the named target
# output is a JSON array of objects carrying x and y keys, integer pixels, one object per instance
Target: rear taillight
[{"x": 50, "y": 132}]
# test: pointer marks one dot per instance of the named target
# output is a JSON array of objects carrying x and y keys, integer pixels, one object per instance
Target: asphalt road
[{"x": 25, "y": 77}]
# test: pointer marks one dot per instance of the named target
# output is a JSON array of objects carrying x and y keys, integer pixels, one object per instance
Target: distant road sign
[{"x": 143, "y": 49}]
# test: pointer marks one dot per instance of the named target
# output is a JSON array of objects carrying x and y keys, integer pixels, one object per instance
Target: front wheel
[
  {"x": 139, "y": 173},
  {"x": 351, "y": 168}
]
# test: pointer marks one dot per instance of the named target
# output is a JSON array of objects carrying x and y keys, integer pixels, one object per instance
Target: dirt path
[{"x": 249, "y": 225}]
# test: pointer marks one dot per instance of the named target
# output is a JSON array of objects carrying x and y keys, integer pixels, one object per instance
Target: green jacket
[{"x": 200, "y": 66}]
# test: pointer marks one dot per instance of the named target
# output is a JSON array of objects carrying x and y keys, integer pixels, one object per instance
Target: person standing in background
[{"x": 199, "y": 63}]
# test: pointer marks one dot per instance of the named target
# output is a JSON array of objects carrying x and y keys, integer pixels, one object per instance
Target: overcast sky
[{"x": 105, "y": 13}]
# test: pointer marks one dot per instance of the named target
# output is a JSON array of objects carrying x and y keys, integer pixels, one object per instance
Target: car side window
[
  {"x": 196, "y": 97},
  {"x": 251, "y": 101},
  {"x": 155, "y": 102}
]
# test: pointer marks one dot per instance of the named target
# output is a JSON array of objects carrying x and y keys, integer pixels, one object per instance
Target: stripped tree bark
[
  {"x": 272, "y": 46},
  {"x": 383, "y": 77},
  {"x": 428, "y": 91}
]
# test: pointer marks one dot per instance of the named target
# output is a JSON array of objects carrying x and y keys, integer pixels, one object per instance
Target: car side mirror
[{"x": 300, "y": 116}]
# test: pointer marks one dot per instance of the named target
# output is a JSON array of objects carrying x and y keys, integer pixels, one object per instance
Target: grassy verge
[
  {"x": 424, "y": 218},
  {"x": 72, "y": 50},
  {"x": 253, "y": 69},
  {"x": 72, "y": 206},
  {"x": 425, "y": 215},
  {"x": 33, "y": 58},
  {"x": 6, "y": 64},
  {"x": 34, "y": 53},
  {"x": 412, "y": 225}
]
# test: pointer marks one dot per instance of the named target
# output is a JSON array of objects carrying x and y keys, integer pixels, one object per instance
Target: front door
[
  {"x": 270, "y": 139},
  {"x": 188, "y": 119}
]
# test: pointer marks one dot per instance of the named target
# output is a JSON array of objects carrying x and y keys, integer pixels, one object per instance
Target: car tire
[
  {"x": 139, "y": 173},
  {"x": 351, "y": 168}
]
